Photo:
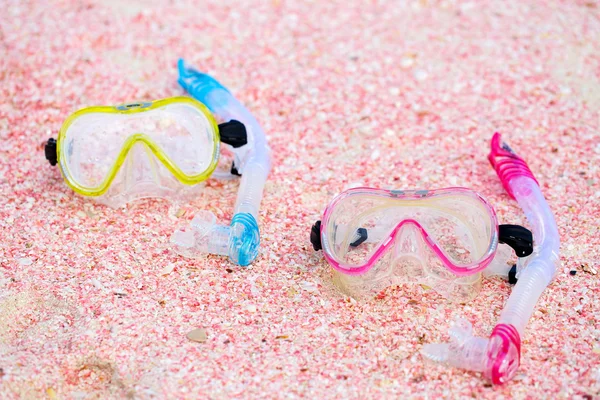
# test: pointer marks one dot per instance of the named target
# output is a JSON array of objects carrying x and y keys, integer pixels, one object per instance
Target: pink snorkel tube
[{"x": 499, "y": 356}]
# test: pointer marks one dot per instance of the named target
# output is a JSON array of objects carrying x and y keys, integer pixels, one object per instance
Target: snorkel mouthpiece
[
  {"x": 497, "y": 357},
  {"x": 239, "y": 241}
]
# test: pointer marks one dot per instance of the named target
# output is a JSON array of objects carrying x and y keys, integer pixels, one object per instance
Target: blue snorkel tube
[{"x": 241, "y": 239}]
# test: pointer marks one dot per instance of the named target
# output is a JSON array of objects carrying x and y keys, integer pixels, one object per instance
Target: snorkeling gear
[
  {"x": 442, "y": 238},
  {"x": 162, "y": 148},
  {"x": 241, "y": 239},
  {"x": 499, "y": 356},
  {"x": 446, "y": 239}
]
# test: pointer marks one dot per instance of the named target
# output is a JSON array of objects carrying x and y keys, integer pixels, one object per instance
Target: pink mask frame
[{"x": 387, "y": 244}]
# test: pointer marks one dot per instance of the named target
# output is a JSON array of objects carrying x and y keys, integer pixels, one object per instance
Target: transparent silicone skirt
[
  {"x": 442, "y": 238},
  {"x": 147, "y": 149}
]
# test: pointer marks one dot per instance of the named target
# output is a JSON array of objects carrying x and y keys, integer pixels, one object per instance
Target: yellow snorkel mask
[{"x": 163, "y": 148}]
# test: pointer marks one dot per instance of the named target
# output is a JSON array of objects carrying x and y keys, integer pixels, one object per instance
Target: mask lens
[
  {"x": 462, "y": 226},
  {"x": 458, "y": 224},
  {"x": 91, "y": 146},
  {"x": 185, "y": 135},
  {"x": 353, "y": 219}
]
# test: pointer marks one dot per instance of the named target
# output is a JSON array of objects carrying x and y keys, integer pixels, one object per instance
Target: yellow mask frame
[{"x": 133, "y": 108}]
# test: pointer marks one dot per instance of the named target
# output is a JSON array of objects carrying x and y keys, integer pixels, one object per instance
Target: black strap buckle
[
  {"x": 521, "y": 241},
  {"x": 315, "y": 236},
  {"x": 360, "y": 238},
  {"x": 517, "y": 237},
  {"x": 233, "y": 133},
  {"x": 234, "y": 170},
  {"x": 51, "y": 153}
]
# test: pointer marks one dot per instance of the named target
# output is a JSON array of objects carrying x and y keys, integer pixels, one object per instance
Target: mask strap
[{"x": 50, "y": 150}]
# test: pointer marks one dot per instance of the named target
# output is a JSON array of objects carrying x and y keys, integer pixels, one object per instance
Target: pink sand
[{"x": 391, "y": 94}]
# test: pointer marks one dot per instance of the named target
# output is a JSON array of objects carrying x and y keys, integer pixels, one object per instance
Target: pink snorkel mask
[
  {"x": 447, "y": 239},
  {"x": 442, "y": 238}
]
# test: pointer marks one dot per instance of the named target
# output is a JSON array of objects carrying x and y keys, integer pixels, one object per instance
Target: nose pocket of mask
[
  {"x": 408, "y": 250},
  {"x": 409, "y": 240},
  {"x": 140, "y": 167}
]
